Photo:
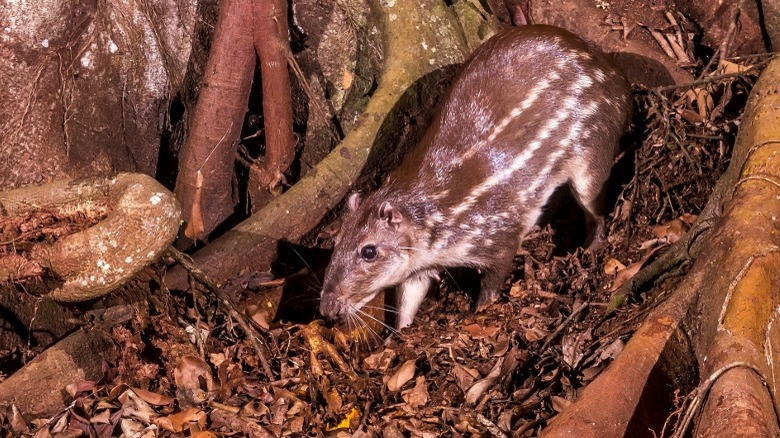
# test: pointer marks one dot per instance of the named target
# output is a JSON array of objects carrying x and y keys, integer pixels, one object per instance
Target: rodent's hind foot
[
  {"x": 486, "y": 298},
  {"x": 597, "y": 238}
]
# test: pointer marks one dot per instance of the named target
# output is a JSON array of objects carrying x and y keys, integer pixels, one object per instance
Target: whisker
[
  {"x": 300, "y": 299},
  {"x": 391, "y": 329},
  {"x": 317, "y": 280},
  {"x": 360, "y": 328},
  {"x": 349, "y": 324},
  {"x": 367, "y": 330},
  {"x": 388, "y": 309}
]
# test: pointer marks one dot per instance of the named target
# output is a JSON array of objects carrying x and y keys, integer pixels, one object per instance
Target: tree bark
[
  {"x": 271, "y": 43},
  {"x": 204, "y": 185}
]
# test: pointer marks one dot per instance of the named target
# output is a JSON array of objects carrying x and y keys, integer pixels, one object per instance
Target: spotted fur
[{"x": 534, "y": 108}]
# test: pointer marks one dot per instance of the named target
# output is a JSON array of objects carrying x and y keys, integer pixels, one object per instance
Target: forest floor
[
  {"x": 455, "y": 372},
  {"x": 185, "y": 367}
]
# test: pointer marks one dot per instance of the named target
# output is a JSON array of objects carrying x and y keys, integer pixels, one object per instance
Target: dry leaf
[
  {"x": 626, "y": 274},
  {"x": 177, "y": 422},
  {"x": 588, "y": 374},
  {"x": 296, "y": 425},
  {"x": 74, "y": 389},
  {"x": 572, "y": 346},
  {"x": 153, "y": 398},
  {"x": 688, "y": 218},
  {"x": 417, "y": 396},
  {"x": 192, "y": 372},
  {"x": 216, "y": 359},
  {"x": 379, "y": 361},
  {"x": 613, "y": 266},
  {"x": 729, "y": 67},
  {"x": 334, "y": 401},
  {"x": 131, "y": 427},
  {"x": 104, "y": 417},
  {"x": 516, "y": 291},
  {"x": 17, "y": 422},
  {"x": 403, "y": 375},
  {"x": 136, "y": 407},
  {"x": 352, "y": 415},
  {"x": 671, "y": 231},
  {"x": 690, "y": 116},
  {"x": 464, "y": 377},
  {"x": 703, "y": 102},
  {"x": 478, "y": 331},
  {"x": 475, "y": 392},
  {"x": 612, "y": 350},
  {"x": 690, "y": 97},
  {"x": 631, "y": 270},
  {"x": 259, "y": 315},
  {"x": 534, "y": 334}
]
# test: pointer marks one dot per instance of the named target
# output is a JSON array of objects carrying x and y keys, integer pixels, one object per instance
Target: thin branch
[{"x": 251, "y": 332}]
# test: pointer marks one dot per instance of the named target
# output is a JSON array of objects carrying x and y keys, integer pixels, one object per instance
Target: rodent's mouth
[{"x": 338, "y": 307}]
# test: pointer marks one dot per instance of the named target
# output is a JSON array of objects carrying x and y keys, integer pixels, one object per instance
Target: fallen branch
[{"x": 250, "y": 329}]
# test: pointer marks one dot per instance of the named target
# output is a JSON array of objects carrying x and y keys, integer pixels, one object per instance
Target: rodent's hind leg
[
  {"x": 594, "y": 205},
  {"x": 493, "y": 277},
  {"x": 410, "y": 295}
]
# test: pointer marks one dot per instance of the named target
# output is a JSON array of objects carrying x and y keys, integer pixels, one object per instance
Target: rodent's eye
[{"x": 368, "y": 252}]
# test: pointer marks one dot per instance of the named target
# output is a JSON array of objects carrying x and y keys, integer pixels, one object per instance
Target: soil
[{"x": 454, "y": 372}]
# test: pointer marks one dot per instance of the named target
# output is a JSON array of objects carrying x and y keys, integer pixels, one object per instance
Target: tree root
[
  {"x": 134, "y": 219},
  {"x": 408, "y": 38},
  {"x": 722, "y": 313}
]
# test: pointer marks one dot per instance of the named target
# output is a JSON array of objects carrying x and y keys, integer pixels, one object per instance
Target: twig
[
  {"x": 364, "y": 417},
  {"x": 715, "y": 78},
  {"x": 251, "y": 332},
  {"x": 725, "y": 45},
  {"x": 526, "y": 427},
  {"x": 659, "y": 38},
  {"x": 323, "y": 111},
  {"x": 491, "y": 427},
  {"x": 560, "y": 328}
]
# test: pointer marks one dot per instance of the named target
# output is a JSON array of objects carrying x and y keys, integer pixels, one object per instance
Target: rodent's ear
[
  {"x": 353, "y": 202},
  {"x": 390, "y": 214}
]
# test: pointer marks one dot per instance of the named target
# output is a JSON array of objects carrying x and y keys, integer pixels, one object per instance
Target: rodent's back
[{"x": 533, "y": 107}]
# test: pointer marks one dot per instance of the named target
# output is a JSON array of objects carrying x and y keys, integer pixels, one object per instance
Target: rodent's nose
[{"x": 330, "y": 306}]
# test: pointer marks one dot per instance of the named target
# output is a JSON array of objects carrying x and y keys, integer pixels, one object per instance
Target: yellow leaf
[{"x": 346, "y": 422}]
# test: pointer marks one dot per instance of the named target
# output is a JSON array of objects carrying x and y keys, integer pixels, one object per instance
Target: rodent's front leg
[
  {"x": 410, "y": 295},
  {"x": 494, "y": 276}
]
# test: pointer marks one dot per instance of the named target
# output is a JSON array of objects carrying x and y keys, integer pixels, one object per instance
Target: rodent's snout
[{"x": 331, "y": 307}]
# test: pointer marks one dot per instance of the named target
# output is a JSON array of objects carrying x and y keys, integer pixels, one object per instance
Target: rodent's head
[{"x": 372, "y": 252}]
